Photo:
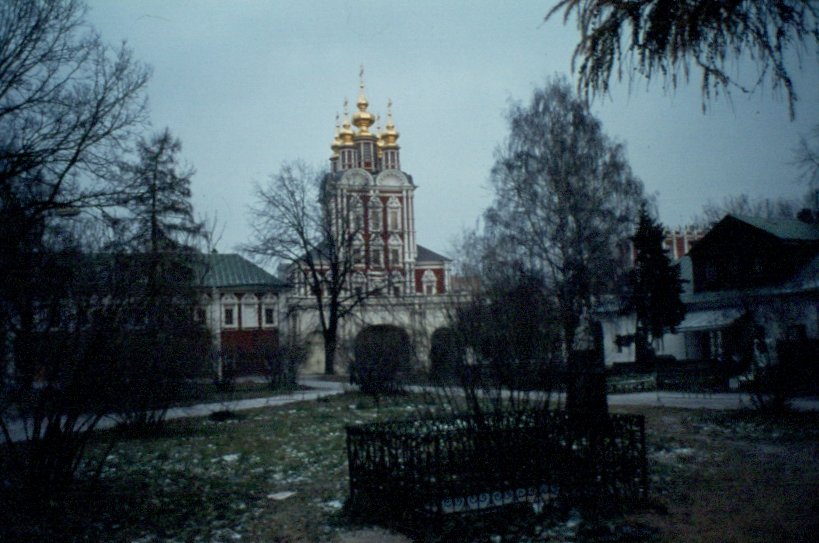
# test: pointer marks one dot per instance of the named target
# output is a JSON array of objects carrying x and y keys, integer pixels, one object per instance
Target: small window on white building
[
  {"x": 230, "y": 314},
  {"x": 268, "y": 311}
]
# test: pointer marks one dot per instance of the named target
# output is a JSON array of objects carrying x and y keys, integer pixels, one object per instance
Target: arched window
[
  {"x": 359, "y": 283},
  {"x": 375, "y": 214},
  {"x": 396, "y": 287},
  {"x": 358, "y": 250},
  {"x": 395, "y": 251},
  {"x": 356, "y": 214},
  {"x": 376, "y": 252},
  {"x": 394, "y": 214},
  {"x": 429, "y": 282}
]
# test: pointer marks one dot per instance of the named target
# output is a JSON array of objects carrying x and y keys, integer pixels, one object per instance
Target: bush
[
  {"x": 382, "y": 356},
  {"x": 283, "y": 364}
]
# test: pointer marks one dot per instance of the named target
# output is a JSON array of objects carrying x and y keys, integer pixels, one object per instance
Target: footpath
[{"x": 319, "y": 388}]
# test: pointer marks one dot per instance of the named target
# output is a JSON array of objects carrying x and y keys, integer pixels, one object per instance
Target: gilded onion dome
[
  {"x": 336, "y": 139},
  {"x": 362, "y": 118},
  {"x": 389, "y": 137},
  {"x": 346, "y": 133}
]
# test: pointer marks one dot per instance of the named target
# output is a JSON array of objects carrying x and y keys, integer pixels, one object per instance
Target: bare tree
[
  {"x": 296, "y": 224},
  {"x": 68, "y": 106},
  {"x": 670, "y": 39},
  {"x": 807, "y": 159},
  {"x": 565, "y": 202},
  {"x": 776, "y": 208}
]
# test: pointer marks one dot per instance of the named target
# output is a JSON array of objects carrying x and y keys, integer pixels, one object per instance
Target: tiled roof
[
  {"x": 786, "y": 229},
  {"x": 232, "y": 270},
  {"x": 427, "y": 255}
]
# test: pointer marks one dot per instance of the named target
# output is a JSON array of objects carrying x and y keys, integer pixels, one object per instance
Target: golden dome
[
  {"x": 336, "y": 139},
  {"x": 346, "y": 133},
  {"x": 389, "y": 137},
  {"x": 362, "y": 118}
]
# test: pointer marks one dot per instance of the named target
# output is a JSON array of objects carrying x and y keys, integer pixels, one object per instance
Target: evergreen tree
[
  {"x": 161, "y": 234},
  {"x": 654, "y": 288}
]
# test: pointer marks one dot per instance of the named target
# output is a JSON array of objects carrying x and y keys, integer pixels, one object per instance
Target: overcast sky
[{"x": 247, "y": 85}]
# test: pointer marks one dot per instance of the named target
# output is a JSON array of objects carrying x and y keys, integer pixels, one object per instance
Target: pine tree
[
  {"x": 161, "y": 235},
  {"x": 654, "y": 288}
]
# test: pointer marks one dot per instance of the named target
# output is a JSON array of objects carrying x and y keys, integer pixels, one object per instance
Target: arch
[
  {"x": 382, "y": 355},
  {"x": 392, "y": 178},
  {"x": 356, "y": 177}
]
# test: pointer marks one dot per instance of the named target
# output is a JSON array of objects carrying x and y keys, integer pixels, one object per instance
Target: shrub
[
  {"x": 284, "y": 362},
  {"x": 382, "y": 355}
]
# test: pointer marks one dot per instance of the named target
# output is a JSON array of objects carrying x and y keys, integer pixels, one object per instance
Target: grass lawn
[{"x": 715, "y": 477}]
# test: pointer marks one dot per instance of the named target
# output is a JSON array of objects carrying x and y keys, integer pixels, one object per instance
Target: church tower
[{"x": 372, "y": 199}]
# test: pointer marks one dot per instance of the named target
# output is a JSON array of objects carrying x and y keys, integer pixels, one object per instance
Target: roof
[
  {"x": 233, "y": 270},
  {"x": 785, "y": 229},
  {"x": 709, "y": 319},
  {"x": 428, "y": 255}
]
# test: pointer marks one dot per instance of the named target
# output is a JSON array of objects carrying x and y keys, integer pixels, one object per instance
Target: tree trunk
[{"x": 330, "y": 341}]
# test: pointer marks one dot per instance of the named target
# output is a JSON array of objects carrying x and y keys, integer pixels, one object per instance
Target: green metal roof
[
  {"x": 232, "y": 270},
  {"x": 786, "y": 229}
]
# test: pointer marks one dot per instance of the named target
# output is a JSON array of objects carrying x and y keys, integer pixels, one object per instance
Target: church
[{"x": 366, "y": 184}]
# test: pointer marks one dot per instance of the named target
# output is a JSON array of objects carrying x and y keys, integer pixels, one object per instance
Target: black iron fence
[{"x": 417, "y": 469}]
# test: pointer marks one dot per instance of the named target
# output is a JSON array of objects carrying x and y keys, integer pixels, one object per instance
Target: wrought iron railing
[{"x": 419, "y": 468}]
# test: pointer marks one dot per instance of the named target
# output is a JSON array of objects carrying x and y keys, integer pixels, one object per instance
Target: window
[
  {"x": 395, "y": 251},
  {"x": 357, "y": 214},
  {"x": 376, "y": 257},
  {"x": 228, "y": 316},
  {"x": 358, "y": 255},
  {"x": 430, "y": 283},
  {"x": 396, "y": 284},
  {"x": 358, "y": 249},
  {"x": 394, "y": 214},
  {"x": 358, "y": 284},
  {"x": 201, "y": 315},
  {"x": 269, "y": 316},
  {"x": 375, "y": 214}
]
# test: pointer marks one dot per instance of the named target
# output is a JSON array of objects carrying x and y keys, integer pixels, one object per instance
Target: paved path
[{"x": 321, "y": 388}]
